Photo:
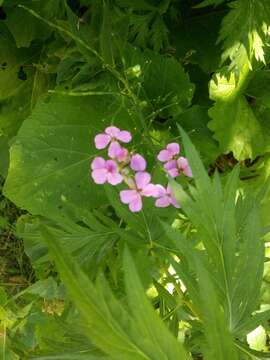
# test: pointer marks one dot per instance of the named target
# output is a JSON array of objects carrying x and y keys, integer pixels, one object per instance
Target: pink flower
[
  {"x": 165, "y": 197},
  {"x": 171, "y": 168},
  {"x": 116, "y": 151},
  {"x": 176, "y": 167},
  {"x": 111, "y": 135},
  {"x": 169, "y": 153},
  {"x": 142, "y": 187},
  {"x": 137, "y": 163},
  {"x": 183, "y": 166},
  {"x": 105, "y": 171}
]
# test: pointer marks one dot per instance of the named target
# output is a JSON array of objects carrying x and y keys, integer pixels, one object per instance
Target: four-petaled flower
[
  {"x": 105, "y": 171},
  {"x": 165, "y": 197},
  {"x": 112, "y": 134},
  {"x": 141, "y": 187},
  {"x": 169, "y": 153}
]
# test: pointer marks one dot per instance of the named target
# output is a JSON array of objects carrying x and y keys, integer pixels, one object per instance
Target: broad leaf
[{"x": 50, "y": 159}]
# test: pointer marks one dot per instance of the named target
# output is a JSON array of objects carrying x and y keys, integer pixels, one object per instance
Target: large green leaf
[
  {"x": 164, "y": 81},
  {"x": 237, "y": 129},
  {"x": 51, "y": 156},
  {"x": 35, "y": 29}
]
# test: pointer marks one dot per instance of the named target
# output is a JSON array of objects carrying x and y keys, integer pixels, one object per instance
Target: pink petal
[
  {"x": 150, "y": 190},
  {"x": 123, "y": 155},
  {"x": 183, "y": 165},
  {"x": 114, "y": 178},
  {"x": 113, "y": 131},
  {"x": 136, "y": 205},
  {"x": 161, "y": 191},
  {"x": 142, "y": 179},
  {"x": 137, "y": 163},
  {"x": 114, "y": 149},
  {"x": 99, "y": 176},
  {"x": 164, "y": 201},
  {"x": 173, "y": 199},
  {"x": 164, "y": 155},
  {"x": 174, "y": 202},
  {"x": 171, "y": 168},
  {"x": 173, "y": 172},
  {"x": 98, "y": 163},
  {"x": 101, "y": 141},
  {"x": 124, "y": 136},
  {"x": 128, "y": 196},
  {"x": 111, "y": 166},
  {"x": 182, "y": 162},
  {"x": 172, "y": 164},
  {"x": 173, "y": 148},
  {"x": 188, "y": 172}
]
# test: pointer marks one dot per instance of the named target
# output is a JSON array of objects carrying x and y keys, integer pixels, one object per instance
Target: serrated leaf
[
  {"x": 236, "y": 129},
  {"x": 149, "y": 324},
  {"x": 246, "y": 25}
]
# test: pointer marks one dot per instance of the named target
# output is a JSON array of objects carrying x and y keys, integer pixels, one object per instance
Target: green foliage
[{"x": 82, "y": 277}]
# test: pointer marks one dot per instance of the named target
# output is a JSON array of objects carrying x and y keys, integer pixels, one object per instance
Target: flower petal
[
  {"x": 172, "y": 197},
  {"x": 124, "y": 136},
  {"x": 114, "y": 178},
  {"x": 173, "y": 172},
  {"x": 182, "y": 162},
  {"x": 142, "y": 179},
  {"x": 98, "y": 163},
  {"x": 150, "y": 190},
  {"x": 136, "y": 205},
  {"x": 114, "y": 149},
  {"x": 183, "y": 165},
  {"x": 111, "y": 166},
  {"x": 164, "y": 155},
  {"x": 173, "y": 148},
  {"x": 163, "y": 201},
  {"x": 126, "y": 196},
  {"x": 172, "y": 164},
  {"x": 171, "y": 168},
  {"x": 174, "y": 202},
  {"x": 161, "y": 191},
  {"x": 113, "y": 131},
  {"x": 101, "y": 141},
  {"x": 188, "y": 172},
  {"x": 137, "y": 163},
  {"x": 99, "y": 176}
]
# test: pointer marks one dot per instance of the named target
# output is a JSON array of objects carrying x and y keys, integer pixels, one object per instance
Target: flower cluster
[{"x": 128, "y": 167}]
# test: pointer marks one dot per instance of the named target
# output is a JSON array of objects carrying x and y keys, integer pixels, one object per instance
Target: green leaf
[
  {"x": 108, "y": 325},
  {"x": 151, "y": 327},
  {"x": 246, "y": 26},
  {"x": 194, "y": 121},
  {"x": 4, "y": 151},
  {"x": 35, "y": 29},
  {"x": 11, "y": 60},
  {"x": 259, "y": 89},
  {"x": 51, "y": 156},
  {"x": 192, "y": 44},
  {"x": 219, "y": 341},
  {"x": 164, "y": 81},
  {"x": 209, "y": 3},
  {"x": 237, "y": 129}
]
